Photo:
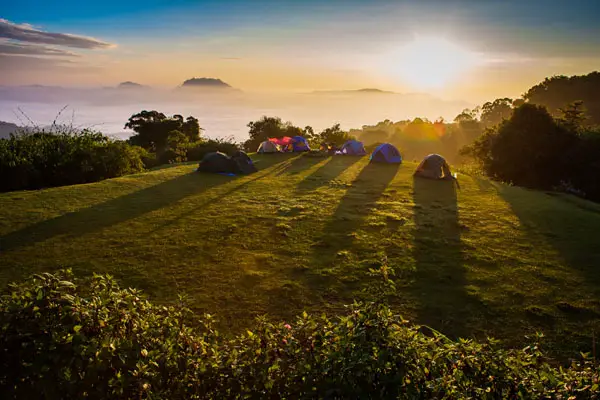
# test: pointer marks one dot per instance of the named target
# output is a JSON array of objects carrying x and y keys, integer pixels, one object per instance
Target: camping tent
[
  {"x": 386, "y": 153},
  {"x": 221, "y": 163},
  {"x": 353, "y": 148},
  {"x": 296, "y": 143},
  {"x": 299, "y": 144},
  {"x": 434, "y": 166},
  {"x": 244, "y": 163},
  {"x": 268, "y": 147}
]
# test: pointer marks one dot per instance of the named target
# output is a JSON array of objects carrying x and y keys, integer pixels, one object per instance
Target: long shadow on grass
[
  {"x": 439, "y": 277},
  {"x": 569, "y": 225},
  {"x": 278, "y": 169},
  {"x": 339, "y": 235},
  {"x": 327, "y": 172},
  {"x": 298, "y": 164},
  {"x": 120, "y": 209}
]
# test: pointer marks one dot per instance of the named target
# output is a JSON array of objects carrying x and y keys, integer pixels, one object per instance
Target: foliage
[
  {"x": 584, "y": 166},
  {"x": 527, "y": 149},
  {"x": 39, "y": 158},
  {"x": 153, "y": 128},
  {"x": 71, "y": 338},
  {"x": 196, "y": 151},
  {"x": 557, "y": 92},
  {"x": 272, "y": 127},
  {"x": 573, "y": 116},
  {"x": 332, "y": 135},
  {"x": 493, "y": 113},
  {"x": 534, "y": 149},
  {"x": 176, "y": 148}
]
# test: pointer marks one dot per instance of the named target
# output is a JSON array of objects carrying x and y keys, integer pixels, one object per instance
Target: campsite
[
  {"x": 255, "y": 244},
  {"x": 302, "y": 233},
  {"x": 300, "y": 200}
]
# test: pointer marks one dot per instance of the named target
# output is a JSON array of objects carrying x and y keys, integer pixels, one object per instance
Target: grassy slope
[{"x": 302, "y": 233}]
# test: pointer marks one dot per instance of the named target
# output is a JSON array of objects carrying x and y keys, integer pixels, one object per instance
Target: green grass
[{"x": 302, "y": 233}]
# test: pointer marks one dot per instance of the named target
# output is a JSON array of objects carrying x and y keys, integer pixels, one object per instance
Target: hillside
[{"x": 302, "y": 233}]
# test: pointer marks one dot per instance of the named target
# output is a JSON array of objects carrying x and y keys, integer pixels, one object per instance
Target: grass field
[{"x": 301, "y": 234}]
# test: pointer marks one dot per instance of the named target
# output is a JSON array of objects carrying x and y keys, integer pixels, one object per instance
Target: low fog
[{"x": 221, "y": 112}]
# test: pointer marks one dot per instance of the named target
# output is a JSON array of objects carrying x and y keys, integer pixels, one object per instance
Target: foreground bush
[
  {"x": 41, "y": 159},
  {"x": 62, "y": 338}
]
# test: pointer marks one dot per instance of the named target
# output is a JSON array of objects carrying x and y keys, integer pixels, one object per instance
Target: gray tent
[
  {"x": 244, "y": 163},
  {"x": 218, "y": 162}
]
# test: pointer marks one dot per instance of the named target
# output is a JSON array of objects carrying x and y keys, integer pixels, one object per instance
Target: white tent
[{"x": 268, "y": 147}]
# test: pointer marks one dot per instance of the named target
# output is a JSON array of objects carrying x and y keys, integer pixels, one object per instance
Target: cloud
[
  {"x": 27, "y": 33},
  {"x": 19, "y": 62},
  {"x": 8, "y": 48},
  {"x": 12, "y": 64}
]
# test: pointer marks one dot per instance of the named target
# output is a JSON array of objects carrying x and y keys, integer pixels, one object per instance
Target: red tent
[{"x": 284, "y": 141}]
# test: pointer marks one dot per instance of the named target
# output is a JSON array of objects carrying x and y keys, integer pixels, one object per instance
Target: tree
[
  {"x": 492, "y": 113},
  {"x": 573, "y": 116},
  {"x": 308, "y": 133},
  {"x": 557, "y": 92},
  {"x": 469, "y": 128},
  {"x": 176, "y": 149},
  {"x": 374, "y": 136},
  {"x": 152, "y": 129},
  {"x": 335, "y": 135},
  {"x": 261, "y": 130},
  {"x": 526, "y": 150}
]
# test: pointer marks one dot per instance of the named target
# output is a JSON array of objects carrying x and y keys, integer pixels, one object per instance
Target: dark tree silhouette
[
  {"x": 557, "y": 92},
  {"x": 494, "y": 112},
  {"x": 152, "y": 129}
]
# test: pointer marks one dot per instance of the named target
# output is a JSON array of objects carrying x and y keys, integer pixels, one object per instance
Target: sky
[{"x": 469, "y": 50}]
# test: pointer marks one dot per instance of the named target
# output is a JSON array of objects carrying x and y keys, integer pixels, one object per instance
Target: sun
[{"x": 430, "y": 62}]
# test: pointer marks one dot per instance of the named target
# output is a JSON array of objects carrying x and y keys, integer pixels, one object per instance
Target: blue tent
[
  {"x": 386, "y": 153},
  {"x": 353, "y": 148},
  {"x": 300, "y": 144}
]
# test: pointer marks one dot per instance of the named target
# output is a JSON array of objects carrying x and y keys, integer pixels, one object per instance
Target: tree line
[{"x": 551, "y": 128}]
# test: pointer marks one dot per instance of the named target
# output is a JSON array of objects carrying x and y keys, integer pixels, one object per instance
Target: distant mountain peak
[
  {"x": 373, "y": 90},
  {"x": 205, "y": 82},
  {"x": 351, "y": 91},
  {"x": 130, "y": 85}
]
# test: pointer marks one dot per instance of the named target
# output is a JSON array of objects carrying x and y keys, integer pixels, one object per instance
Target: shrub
[
  {"x": 38, "y": 159},
  {"x": 196, "y": 151},
  {"x": 175, "y": 150},
  {"x": 69, "y": 338}
]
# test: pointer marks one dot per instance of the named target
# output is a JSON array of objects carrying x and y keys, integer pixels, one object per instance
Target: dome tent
[
  {"x": 244, "y": 163},
  {"x": 386, "y": 153},
  {"x": 218, "y": 162},
  {"x": 434, "y": 166},
  {"x": 268, "y": 147},
  {"x": 353, "y": 148},
  {"x": 300, "y": 144}
]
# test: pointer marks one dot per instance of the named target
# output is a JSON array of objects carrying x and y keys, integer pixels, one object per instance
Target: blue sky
[{"x": 296, "y": 44}]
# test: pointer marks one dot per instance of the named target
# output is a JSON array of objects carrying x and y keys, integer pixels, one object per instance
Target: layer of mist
[{"x": 222, "y": 112}]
